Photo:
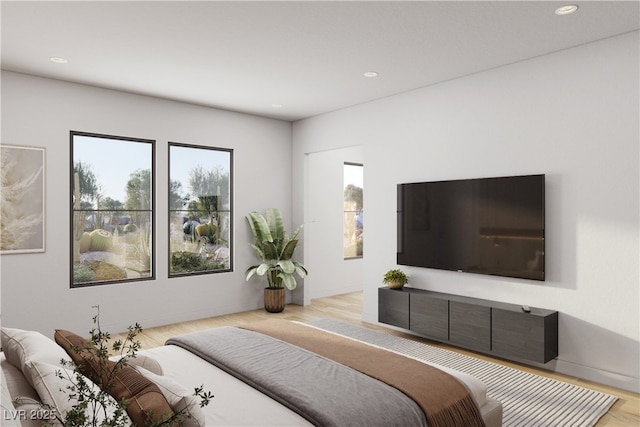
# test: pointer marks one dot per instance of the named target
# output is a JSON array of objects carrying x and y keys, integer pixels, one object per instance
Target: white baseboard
[
  {"x": 339, "y": 289},
  {"x": 598, "y": 375}
]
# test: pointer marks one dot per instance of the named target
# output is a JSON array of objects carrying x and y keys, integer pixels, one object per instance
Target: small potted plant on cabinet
[
  {"x": 395, "y": 279},
  {"x": 275, "y": 249}
]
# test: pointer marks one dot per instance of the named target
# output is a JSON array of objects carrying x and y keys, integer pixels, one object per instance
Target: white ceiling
[{"x": 308, "y": 56}]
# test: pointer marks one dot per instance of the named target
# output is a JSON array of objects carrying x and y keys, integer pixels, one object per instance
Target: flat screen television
[{"x": 491, "y": 226}]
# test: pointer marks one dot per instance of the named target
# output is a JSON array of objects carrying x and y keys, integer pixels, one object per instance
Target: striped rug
[{"x": 527, "y": 399}]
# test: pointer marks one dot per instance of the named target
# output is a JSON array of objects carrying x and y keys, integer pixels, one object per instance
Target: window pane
[
  {"x": 199, "y": 209},
  {"x": 112, "y": 221},
  {"x": 353, "y": 226}
]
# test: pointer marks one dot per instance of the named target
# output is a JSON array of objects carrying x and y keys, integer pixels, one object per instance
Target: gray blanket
[{"x": 324, "y": 392}]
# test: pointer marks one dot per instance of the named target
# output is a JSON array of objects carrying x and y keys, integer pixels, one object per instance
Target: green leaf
[
  {"x": 295, "y": 233},
  {"x": 259, "y": 227},
  {"x": 289, "y": 249},
  {"x": 302, "y": 272},
  {"x": 276, "y": 224},
  {"x": 287, "y": 266},
  {"x": 270, "y": 251},
  {"x": 251, "y": 271},
  {"x": 288, "y": 280},
  {"x": 262, "y": 269}
]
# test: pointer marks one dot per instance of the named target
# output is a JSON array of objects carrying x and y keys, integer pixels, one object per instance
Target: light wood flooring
[{"x": 348, "y": 308}]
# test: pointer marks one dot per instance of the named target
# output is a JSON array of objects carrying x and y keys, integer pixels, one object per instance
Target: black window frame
[
  {"x": 171, "y": 226},
  {"x": 360, "y": 251},
  {"x": 151, "y": 211}
]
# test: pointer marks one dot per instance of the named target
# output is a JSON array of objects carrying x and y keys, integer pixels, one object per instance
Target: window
[
  {"x": 353, "y": 223},
  {"x": 200, "y": 206},
  {"x": 112, "y": 220}
]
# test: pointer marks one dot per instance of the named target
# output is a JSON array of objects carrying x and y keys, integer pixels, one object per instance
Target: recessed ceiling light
[
  {"x": 58, "y": 60},
  {"x": 566, "y": 10},
  {"x": 277, "y": 105},
  {"x": 371, "y": 74}
]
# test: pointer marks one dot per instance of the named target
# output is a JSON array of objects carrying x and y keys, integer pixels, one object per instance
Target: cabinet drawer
[
  {"x": 429, "y": 316},
  {"x": 525, "y": 335},
  {"x": 470, "y": 326},
  {"x": 393, "y": 307}
]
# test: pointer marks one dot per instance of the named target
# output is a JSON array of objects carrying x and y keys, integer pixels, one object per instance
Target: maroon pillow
[{"x": 146, "y": 404}]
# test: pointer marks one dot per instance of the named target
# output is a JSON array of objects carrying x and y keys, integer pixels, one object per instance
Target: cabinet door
[
  {"x": 393, "y": 307},
  {"x": 429, "y": 316},
  {"x": 470, "y": 326},
  {"x": 525, "y": 335}
]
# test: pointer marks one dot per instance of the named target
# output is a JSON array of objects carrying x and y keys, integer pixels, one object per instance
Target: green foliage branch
[{"x": 95, "y": 406}]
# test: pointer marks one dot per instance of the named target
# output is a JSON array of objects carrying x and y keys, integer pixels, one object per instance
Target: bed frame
[{"x": 235, "y": 402}]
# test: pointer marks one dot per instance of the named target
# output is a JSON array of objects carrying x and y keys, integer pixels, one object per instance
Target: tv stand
[{"x": 495, "y": 328}]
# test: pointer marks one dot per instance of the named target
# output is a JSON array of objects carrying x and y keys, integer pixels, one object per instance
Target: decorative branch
[{"x": 95, "y": 406}]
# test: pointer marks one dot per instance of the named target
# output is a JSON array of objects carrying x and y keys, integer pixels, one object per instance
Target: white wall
[
  {"x": 572, "y": 115},
  {"x": 35, "y": 287}
]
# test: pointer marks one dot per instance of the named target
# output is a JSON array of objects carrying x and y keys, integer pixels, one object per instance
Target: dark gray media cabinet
[{"x": 490, "y": 327}]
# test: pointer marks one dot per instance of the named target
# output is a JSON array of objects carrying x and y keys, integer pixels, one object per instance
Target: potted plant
[
  {"x": 395, "y": 279},
  {"x": 275, "y": 249}
]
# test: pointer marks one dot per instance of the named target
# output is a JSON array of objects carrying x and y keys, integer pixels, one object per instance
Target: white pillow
[
  {"x": 10, "y": 416},
  {"x": 30, "y": 411},
  {"x": 53, "y": 389},
  {"x": 179, "y": 398},
  {"x": 21, "y": 347},
  {"x": 146, "y": 362},
  {"x": 16, "y": 381}
]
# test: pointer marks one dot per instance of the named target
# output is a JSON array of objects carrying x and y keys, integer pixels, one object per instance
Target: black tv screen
[{"x": 491, "y": 226}]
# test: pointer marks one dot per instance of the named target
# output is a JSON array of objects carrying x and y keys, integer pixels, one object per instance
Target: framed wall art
[{"x": 22, "y": 204}]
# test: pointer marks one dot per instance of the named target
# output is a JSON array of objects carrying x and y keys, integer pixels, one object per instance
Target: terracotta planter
[{"x": 274, "y": 299}]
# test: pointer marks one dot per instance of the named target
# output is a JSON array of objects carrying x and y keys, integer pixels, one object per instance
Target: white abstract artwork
[{"x": 22, "y": 203}]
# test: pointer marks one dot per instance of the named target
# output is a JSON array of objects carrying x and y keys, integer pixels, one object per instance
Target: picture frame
[{"x": 22, "y": 192}]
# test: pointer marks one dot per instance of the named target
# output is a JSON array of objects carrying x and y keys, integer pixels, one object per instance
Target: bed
[{"x": 221, "y": 359}]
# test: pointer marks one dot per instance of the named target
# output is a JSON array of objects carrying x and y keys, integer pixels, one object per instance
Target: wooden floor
[{"x": 348, "y": 308}]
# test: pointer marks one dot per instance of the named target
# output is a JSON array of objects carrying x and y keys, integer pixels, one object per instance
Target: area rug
[{"x": 527, "y": 399}]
